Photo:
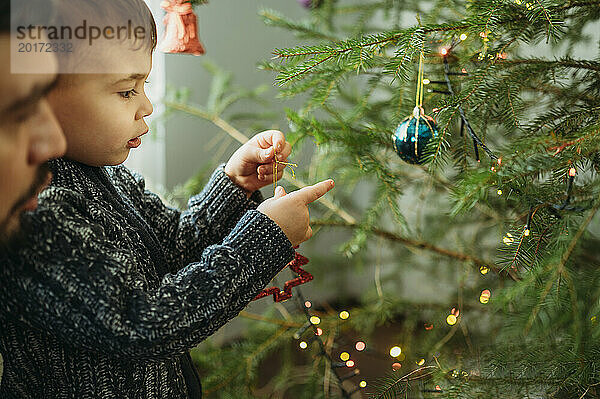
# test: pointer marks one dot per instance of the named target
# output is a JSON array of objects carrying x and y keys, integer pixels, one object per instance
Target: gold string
[
  {"x": 287, "y": 165},
  {"x": 419, "y": 96},
  {"x": 419, "y": 100}
]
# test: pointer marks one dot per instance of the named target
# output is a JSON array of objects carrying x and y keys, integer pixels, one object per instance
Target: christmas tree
[{"x": 463, "y": 137}]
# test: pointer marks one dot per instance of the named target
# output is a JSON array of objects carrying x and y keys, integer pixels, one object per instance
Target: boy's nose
[
  {"x": 46, "y": 136},
  {"x": 146, "y": 109}
]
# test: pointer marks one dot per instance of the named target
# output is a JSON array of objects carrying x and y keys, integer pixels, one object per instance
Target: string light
[
  {"x": 395, "y": 351},
  {"x": 396, "y": 366},
  {"x": 307, "y": 304},
  {"x": 420, "y": 362},
  {"x": 499, "y": 192},
  {"x": 484, "y": 297},
  {"x": 508, "y": 239},
  {"x": 426, "y": 81},
  {"x": 526, "y": 232},
  {"x": 344, "y": 315},
  {"x": 360, "y": 346},
  {"x": 350, "y": 363},
  {"x": 319, "y": 332},
  {"x": 428, "y": 327},
  {"x": 315, "y": 320},
  {"x": 463, "y": 36},
  {"x": 452, "y": 317},
  {"x": 303, "y": 345},
  {"x": 484, "y": 270},
  {"x": 344, "y": 356},
  {"x": 572, "y": 171},
  {"x": 444, "y": 51},
  {"x": 362, "y": 384}
]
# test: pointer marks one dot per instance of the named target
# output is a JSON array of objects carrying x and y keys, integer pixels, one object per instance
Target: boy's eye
[{"x": 128, "y": 94}]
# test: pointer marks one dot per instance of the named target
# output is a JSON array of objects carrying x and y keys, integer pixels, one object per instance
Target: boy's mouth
[{"x": 136, "y": 142}]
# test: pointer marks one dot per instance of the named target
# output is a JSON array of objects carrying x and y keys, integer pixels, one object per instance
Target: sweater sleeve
[
  {"x": 75, "y": 283},
  {"x": 209, "y": 216}
]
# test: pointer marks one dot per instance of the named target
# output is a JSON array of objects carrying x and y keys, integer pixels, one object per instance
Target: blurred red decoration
[{"x": 181, "y": 28}]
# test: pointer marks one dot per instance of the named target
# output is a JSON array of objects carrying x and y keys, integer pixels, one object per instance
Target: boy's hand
[
  {"x": 290, "y": 211},
  {"x": 251, "y": 166}
]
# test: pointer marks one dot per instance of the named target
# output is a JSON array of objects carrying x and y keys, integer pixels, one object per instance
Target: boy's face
[
  {"x": 29, "y": 137},
  {"x": 102, "y": 115}
]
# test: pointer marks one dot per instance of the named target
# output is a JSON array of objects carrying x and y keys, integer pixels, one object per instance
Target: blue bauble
[{"x": 412, "y": 136}]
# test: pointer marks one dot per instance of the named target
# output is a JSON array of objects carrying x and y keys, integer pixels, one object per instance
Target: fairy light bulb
[
  {"x": 395, "y": 351},
  {"x": 303, "y": 345},
  {"x": 484, "y": 270},
  {"x": 451, "y": 319},
  {"x": 420, "y": 362},
  {"x": 319, "y": 332},
  {"x": 444, "y": 51},
  {"x": 315, "y": 320},
  {"x": 426, "y": 81},
  {"x": 484, "y": 297},
  {"x": 508, "y": 239},
  {"x": 350, "y": 363},
  {"x": 344, "y": 356},
  {"x": 307, "y": 304},
  {"x": 396, "y": 366},
  {"x": 572, "y": 171},
  {"x": 463, "y": 36},
  {"x": 362, "y": 384},
  {"x": 360, "y": 346},
  {"x": 344, "y": 315},
  {"x": 526, "y": 232},
  {"x": 499, "y": 192}
]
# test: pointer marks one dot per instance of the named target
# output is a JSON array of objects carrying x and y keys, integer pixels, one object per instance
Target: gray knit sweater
[{"x": 114, "y": 287}]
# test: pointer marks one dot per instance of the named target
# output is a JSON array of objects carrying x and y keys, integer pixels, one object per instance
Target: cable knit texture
[{"x": 114, "y": 287}]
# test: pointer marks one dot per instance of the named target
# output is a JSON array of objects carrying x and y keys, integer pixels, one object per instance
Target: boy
[{"x": 120, "y": 286}]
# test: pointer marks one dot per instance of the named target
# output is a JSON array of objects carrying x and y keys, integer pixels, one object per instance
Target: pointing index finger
[{"x": 312, "y": 193}]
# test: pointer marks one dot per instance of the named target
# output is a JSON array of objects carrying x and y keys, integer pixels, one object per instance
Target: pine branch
[
  {"x": 283, "y": 323},
  {"x": 421, "y": 245},
  {"x": 559, "y": 269},
  {"x": 567, "y": 63},
  {"x": 391, "y": 389}
]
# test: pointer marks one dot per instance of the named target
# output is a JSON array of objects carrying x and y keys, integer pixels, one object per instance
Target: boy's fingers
[
  {"x": 264, "y": 154},
  {"x": 312, "y": 193},
  {"x": 309, "y": 233},
  {"x": 279, "y": 192},
  {"x": 285, "y": 151},
  {"x": 278, "y": 140}
]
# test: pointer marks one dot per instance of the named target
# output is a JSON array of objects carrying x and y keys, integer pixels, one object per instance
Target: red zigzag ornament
[{"x": 303, "y": 277}]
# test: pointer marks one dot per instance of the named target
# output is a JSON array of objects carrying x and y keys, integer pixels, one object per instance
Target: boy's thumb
[{"x": 279, "y": 192}]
